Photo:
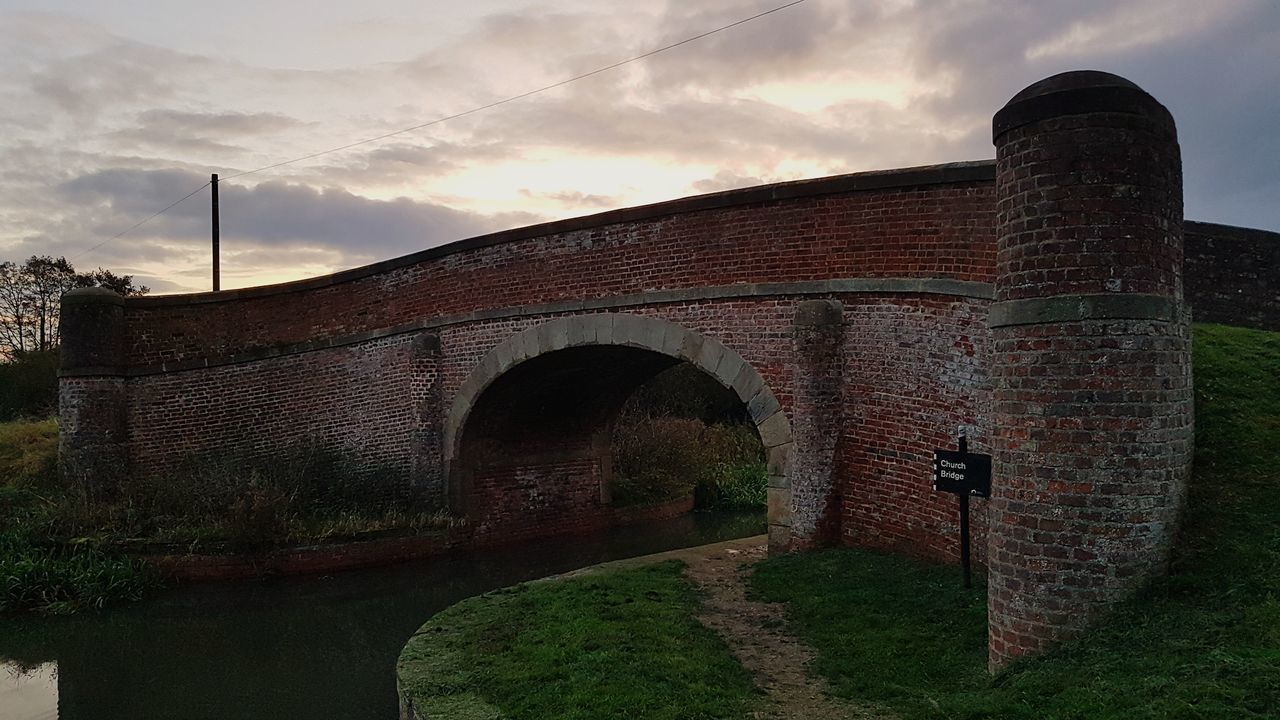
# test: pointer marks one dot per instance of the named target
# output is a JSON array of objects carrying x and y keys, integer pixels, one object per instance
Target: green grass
[
  {"x": 1203, "y": 643},
  {"x": 621, "y": 644},
  {"x": 56, "y": 579}
]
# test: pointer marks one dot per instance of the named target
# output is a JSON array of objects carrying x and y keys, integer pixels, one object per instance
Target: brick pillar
[
  {"x": 1092, "y": 367},
  {"x": 92, "y": 418},
  {"x": 816, "y": 418},
  {"x": 426, "y": 452}
]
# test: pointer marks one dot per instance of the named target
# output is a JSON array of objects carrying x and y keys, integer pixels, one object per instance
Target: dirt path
[{"x": 756, "y": 633}]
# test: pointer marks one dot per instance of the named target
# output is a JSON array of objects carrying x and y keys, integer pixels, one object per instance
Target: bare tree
[
  {"x": 15, "y": 311},
  {"x": 30, "y": 298}
]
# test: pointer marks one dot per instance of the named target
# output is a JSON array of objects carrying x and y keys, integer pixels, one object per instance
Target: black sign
[{"x": 962, "y": 473}]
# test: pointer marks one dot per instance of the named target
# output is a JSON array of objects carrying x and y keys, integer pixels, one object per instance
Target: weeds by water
[
  {"x": 60, "y": 540},
  {"x": 36, "y": 574}
]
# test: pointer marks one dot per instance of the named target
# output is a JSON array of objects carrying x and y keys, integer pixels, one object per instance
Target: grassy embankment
[
  {"x": 1201, "y": 643},
  {"x": 620, "y": 644}
]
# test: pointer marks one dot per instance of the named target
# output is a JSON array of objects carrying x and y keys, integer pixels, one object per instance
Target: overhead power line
[
  {"x": 454, "y": 116},
  {"x": 521, "y": 96},
  {"x": 142, "y": 222}
]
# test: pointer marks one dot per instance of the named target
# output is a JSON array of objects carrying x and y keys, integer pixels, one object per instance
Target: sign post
[{"x": 967, "y": 475}]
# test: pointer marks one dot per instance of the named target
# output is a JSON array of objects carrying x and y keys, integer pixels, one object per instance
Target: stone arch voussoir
[{"x": 656, "y": 335}]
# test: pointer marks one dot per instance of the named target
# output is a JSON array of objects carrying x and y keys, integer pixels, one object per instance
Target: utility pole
[{"x": 214, "y": 185}]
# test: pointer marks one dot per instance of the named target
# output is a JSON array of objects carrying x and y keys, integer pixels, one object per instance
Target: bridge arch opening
[{"x": 528, "y": 441}]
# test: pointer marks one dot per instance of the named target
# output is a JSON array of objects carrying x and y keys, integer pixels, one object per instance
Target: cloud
[
  {"x": 726, "y": 180},
  {"x": 97, "y": 130},
  {"x": 574, "y": 199},
  {"x": 279, "y": 214},
  {"x": 202, "y": 132},
  {"x": 406, "y": 164}
]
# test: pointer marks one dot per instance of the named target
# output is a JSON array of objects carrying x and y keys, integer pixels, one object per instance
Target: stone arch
[{"x": 655, "y": 335}]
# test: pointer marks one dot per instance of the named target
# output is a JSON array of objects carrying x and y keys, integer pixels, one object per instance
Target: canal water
[{"x": 310, "y": 647}]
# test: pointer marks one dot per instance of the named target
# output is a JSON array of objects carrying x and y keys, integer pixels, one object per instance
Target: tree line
[{"x": 30, "y": 300}]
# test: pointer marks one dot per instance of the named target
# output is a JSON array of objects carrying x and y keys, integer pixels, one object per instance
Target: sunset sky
[{"x": 110, "y": 110}]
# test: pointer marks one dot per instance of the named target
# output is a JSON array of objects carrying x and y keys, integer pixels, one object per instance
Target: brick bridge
[{"x": 1035, "y": 302}]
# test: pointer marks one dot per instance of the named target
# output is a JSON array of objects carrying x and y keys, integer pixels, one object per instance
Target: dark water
[{"x": 315, "y": 647}]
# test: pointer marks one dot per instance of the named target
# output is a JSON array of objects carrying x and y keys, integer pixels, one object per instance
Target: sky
[{"x": 110, "y": 110}]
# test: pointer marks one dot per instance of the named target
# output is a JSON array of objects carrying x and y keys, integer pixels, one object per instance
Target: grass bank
[
  {"x": 1201, "y": 643},
  {"x": 616, "y": 644}
]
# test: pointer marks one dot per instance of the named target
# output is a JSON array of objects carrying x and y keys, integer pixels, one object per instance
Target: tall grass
[
  {"x": 298, "y": 494},
  {"x": 29, "y": 453},
  {"x": 36, "y": 574},
  {"x": 57, "y": 538}
]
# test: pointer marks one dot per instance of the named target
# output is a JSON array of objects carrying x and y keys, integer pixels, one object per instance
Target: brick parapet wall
[
  {"x": 1233, "y": 275},
  {"x": 374, "y": 406},
  {"x": 941, "y": 230}
]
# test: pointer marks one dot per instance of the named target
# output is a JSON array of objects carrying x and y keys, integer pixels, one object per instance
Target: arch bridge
[{"x": 1035, "y": 302}]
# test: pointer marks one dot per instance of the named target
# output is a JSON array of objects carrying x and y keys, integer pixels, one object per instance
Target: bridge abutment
[
  {"x": 1092, "y": 368},
  {"x": 817, "y": 416},
  {"x": 92, "y": 414}
]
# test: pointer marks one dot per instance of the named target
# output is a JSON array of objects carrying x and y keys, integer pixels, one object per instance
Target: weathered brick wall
[
  {"x": 817, "y": 412},
  {"x": 1233, "y": 275},
  {"x": 372, "y": 405},
  {"x": 520, "y": 501},
  {"x": 1091, "y": 364},
  {"x": 916, "y": 373}
]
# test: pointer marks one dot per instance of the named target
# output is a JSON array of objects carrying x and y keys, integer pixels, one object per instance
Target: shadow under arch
[{"x": 602, "y": 348}]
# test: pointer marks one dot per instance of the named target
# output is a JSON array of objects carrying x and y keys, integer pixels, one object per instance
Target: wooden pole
[
  {"x": 216, "y": 269},
  {"x": 964, "y": 524}
]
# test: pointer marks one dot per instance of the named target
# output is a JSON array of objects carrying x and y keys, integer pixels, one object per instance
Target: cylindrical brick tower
[
  {"x": 1092, "y": 366},
  {"x": 91, "y": 392}
]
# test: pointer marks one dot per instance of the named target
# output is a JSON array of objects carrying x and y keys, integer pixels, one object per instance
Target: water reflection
[
  {"x": 320, "y": 647},
  {"x": 29, "y": 692}
]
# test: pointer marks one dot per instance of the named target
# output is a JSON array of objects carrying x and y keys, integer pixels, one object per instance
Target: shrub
[
  {"x": 662, "y": 458},
  {"x": 744, "y": 485},
  {"x": 657, "y": 459},
  {"x": 29, "y": 385}
]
